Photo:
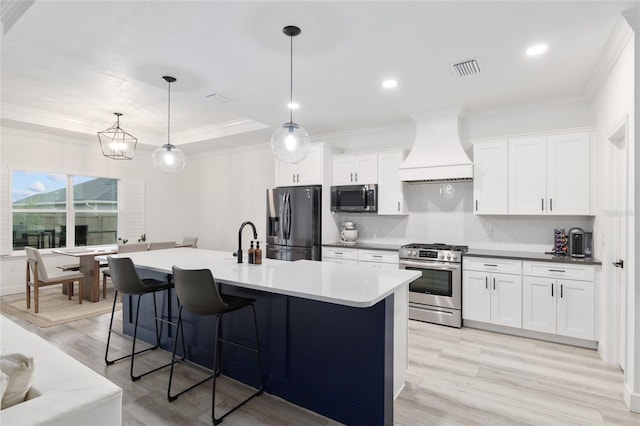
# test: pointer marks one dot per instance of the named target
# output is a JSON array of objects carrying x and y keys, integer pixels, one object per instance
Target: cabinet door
[
  {"x": 528, "y": 175},
  {"x": 343, "y": 170},
  {"x": 568, "y": 174},
  {"x": 306, "y": 172},
  {"x": 491, "y": 177},
  {"x": 476, "y": 296},
  {"x": 576, "y": 309},
  {"x": 506, "y": 299},
  {"x": 366, "y": 168},
  {"x": 390, "y": 188},
  {"x": 539, "y": 304}
]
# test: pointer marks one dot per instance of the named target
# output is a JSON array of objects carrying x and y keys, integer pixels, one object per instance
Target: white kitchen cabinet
[
  {"x": 340, "y": 255},
  {"x": 351, "y": 169},
  {"x": 380, "y": 259},
  {"x": 550, "y": 175},
  {"x": 555, "y": 303},
  {"x": 306, "y": 172},
  {"x": 391, "y": 200},
  {"x": 492, "y": 291},
  {"x": 491, "y": 177}
]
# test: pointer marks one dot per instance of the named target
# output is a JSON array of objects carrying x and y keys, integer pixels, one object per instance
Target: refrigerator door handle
[{"x": 288, "y": 216}]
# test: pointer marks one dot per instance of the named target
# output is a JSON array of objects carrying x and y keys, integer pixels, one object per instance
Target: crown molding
[
  {"x": 43, "y": 118},
  {"x": 618, "y": 39},
  {"x": 216, "y": 131}
]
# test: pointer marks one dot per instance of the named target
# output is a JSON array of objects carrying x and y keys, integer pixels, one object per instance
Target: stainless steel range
[{"x": 437, "y": 295}]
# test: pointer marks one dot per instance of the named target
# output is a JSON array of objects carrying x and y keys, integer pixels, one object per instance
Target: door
[
  {"x": 576, "y": 309},
  {"x": 539, "y": 304},
  {"x": 476, "y": 296},
  {"x": 617, "y": 239},
  {"x": 491, "y": 177},
  {"x": 302, "y": 216},
  {"x": 506, "y": 300},
  {"x": 527, "y": 175}
]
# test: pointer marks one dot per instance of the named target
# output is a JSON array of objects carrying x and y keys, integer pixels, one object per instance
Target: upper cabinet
[
  {"x": 307, "y": 172},
  {"x": 535, "y": 175},
  {"x": 351, "y": 169},
  {"x": 391, "y": 199},
  {"x": 491, "y": 177},
  {"x": 550, "y": 175}
]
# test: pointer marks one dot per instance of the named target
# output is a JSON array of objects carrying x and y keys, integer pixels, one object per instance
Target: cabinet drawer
[
  {"x": 488, "y": 264},
  {"x": 339, "y": 253},
  {"x": 559, "y": 270},
  {"x": 379, "y": 256}
]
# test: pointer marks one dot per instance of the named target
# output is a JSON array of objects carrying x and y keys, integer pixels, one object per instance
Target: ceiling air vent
[{"x": 465, "y": 68}]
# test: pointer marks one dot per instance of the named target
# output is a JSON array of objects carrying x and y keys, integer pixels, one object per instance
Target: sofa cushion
[{"x": 19, "y": 370}]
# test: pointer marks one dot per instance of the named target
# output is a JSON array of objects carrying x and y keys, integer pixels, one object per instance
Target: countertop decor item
[
  {"x": 290, "y": 142},
  {"x": 116, "y": 143},
  {"x": 168, "y": 158}
]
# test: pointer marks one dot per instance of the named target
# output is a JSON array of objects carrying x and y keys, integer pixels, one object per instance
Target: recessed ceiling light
[
  {"x": 293, "y": 105},
  {"x": 389, "y": 84},
  {"x": 538, "y": 49}
]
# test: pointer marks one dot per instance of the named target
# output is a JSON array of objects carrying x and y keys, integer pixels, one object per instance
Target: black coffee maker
[{"x": 579, "y": 242}]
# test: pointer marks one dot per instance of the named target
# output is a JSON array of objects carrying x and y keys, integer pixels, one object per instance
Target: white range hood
[{"x": 437, "y": 154}]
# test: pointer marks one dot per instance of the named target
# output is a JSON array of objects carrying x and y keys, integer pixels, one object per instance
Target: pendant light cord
[
  {"x": 291, "y": 81},
  {"x": 169, "y": 116}
]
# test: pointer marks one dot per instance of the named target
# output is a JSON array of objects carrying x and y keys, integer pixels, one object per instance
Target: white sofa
[{"x": 64, "y": 391}]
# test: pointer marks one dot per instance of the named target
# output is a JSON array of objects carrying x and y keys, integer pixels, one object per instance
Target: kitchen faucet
[{"x": 255, "y": 237}]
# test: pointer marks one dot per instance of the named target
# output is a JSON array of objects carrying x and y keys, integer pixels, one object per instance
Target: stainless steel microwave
[{"x": 354, "y": 198}]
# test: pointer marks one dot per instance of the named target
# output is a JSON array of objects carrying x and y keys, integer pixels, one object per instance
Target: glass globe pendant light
[
  {"x": 290, "y": 142},
  {"x": 168, "y": 158}
]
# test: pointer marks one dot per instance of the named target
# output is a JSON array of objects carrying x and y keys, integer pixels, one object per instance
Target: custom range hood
[{"x": 437, "y": 154}]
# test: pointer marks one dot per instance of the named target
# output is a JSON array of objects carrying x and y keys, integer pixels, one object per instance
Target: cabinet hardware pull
[
  {"x": 293, "y": 178},
  {"x": 297, "y": 178},
  {"x": 486, "y": 283},
  {"x": 338, "y": 252},
  {"x": 398, "y": 205},
  {"x": 542, "y": 199},
  {"x": 376, "y": 255},
  {"x": 561, "y": 290},
  {"x": 490, "y": 264},
  {"x": 494, "y": 284},
  {"x": 550, "y": 204},
  {"x": 476, "y": 205},
  {"x": 551, "y": 289},
  {"x": 356, "y": 174},
  {"x": 351, "y": 176},
  {"x": 557, "y": 270}
]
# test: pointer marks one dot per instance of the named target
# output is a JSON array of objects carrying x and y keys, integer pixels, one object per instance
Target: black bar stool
[
  {"x": 125, "y": 279},
  {"x": 197, "y": 293}
]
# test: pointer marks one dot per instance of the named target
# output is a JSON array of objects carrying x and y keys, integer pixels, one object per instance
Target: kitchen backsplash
[{"x": 444, "y": 213}]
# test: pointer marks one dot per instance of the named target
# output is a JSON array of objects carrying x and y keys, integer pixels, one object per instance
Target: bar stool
[
  {"x": 198, "y": 294},
  {"x": 125, "y": 279}
]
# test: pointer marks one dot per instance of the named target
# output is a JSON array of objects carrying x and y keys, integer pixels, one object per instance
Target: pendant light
[
  {"x": 290, "y": 142},
  {"x": 116, "y": 143},
  {"x": 168, "y": 158}
]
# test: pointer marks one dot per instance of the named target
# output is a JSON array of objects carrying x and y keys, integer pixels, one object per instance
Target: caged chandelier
[
  {"x": 168, "y": 158},
  {"x": 116, "y": 143},
  {"x": 290, "y": 142}
]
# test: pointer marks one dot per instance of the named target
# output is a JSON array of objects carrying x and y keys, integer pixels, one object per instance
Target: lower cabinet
[
  {"x": 340, "y": 255},
  {"x": 559, "y": 306},
  {"x": 492, "y": 297},
  {"x": 363, "y": 257}
]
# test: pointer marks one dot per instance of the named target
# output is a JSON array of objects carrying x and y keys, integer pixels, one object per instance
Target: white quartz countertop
[{"x": 349, "y": 285}]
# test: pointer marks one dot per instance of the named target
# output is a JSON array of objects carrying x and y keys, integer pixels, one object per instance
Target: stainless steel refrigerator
[{"x": 294, "y": 222}]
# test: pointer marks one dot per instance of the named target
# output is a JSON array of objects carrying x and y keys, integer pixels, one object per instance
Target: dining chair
[
  {"x": 162, "y": 245},
  {"x": 191, "y": 241},
  {"x": 42, "y": 278},
  {"x": 126, "y": 280},
  {"x": 198, "y": 293},
  {"x": 122, "y": 248}
]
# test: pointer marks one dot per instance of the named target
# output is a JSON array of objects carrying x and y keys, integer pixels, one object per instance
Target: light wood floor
[{"x": 456, "y": 377}]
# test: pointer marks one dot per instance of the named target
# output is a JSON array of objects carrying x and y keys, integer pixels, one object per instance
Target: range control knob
[
  {"x": 441, "y": 256},
  {"x": 454, "y": 257}
]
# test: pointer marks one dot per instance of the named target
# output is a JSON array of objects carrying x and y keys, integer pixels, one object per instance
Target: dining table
[{"x": 90, "y": 267}]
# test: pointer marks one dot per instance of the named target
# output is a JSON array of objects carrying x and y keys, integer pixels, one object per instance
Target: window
[{"x": 43, "y": 217}]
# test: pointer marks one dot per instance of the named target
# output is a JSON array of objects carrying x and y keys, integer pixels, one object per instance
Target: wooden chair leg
[
  {"x": 69, "y": 290},
  {"x": 104, "y": 286},
  {"x": 28, "y": 296},
  {"x": 80, "y": 293},
  {"x": 36, "y": 300}
]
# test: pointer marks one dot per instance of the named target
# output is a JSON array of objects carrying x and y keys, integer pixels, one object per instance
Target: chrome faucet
[{"x": 255, "y": 237}]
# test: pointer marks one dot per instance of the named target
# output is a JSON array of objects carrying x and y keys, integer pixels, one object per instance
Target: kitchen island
[{"x": 326, "y": 330}]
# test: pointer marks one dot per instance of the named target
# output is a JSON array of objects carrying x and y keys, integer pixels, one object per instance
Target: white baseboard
[
  {"x": 13, "y": 289},
  {"x": 632, "y": 399}
]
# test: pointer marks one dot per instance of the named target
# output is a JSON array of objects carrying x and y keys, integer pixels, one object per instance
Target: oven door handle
[{"x": 429, "y": 265}]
